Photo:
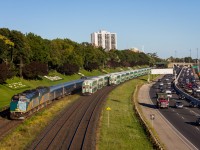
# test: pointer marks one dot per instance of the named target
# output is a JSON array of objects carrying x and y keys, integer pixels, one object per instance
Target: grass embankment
[
  {"x": 25, "y": 133},
  {"x": 6, "y": 92},
  {"x": 124, "y": 131}
]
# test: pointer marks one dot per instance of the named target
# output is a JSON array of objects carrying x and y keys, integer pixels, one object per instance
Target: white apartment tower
[{"x": 104, "y": 39}]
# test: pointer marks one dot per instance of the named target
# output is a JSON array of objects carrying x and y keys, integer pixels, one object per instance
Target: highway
[{"x": 183, "y": 119}]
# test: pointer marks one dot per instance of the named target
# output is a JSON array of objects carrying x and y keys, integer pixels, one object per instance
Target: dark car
[
  {"x": 173, "y": 90},
  {"x": 181, "y": 97},
  {"x": 193, "y": 104},
  {"x": 162, "y": 90},
  {"x": 179, "y": 104},
  {"x": 198, "y": 121}
]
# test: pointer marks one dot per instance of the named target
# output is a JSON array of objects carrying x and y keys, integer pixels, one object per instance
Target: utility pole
[
  {"x": 190, "y": 56},
  {"x": 175, "y": 56},
  {"x": 197, "y": 60}
]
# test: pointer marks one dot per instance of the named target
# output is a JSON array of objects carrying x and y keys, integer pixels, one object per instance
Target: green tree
[
  {"x": 39, "y": 47},
  {"x": 60, "y": 52},
  {"x": 21, "y": 49},
  {"x": 5, "y": 49}
]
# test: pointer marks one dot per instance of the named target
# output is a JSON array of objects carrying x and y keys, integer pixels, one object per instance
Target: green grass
[
  {"x": 124, "y": 131},
  {"x": 6, "y": 92}
]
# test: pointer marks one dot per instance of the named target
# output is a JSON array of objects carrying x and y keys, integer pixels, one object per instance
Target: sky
[{"x": 166, "y": 27}]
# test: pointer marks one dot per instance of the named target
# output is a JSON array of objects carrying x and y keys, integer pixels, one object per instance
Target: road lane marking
[{"x": 196, "y": 114}]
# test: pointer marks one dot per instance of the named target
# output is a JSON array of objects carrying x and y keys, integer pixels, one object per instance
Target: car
[
  {"x": 198, "y": 121},
  {"x": 169, "y": 93},
  {"x": 161, "y": 84},
  {"x": 188, "y": 90},
  {"x": 173, "y": 90},
  {"x": 179, "y": 104},
  {"x": 182, "y": 84},
  {"x": 166, "y": 79},
  {"x": 181, "y": 96},
  {"x": 193, "y": 104},
  {"x": 162, "y": 90}
]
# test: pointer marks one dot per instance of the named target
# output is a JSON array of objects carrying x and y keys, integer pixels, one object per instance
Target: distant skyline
[{"x": 168, "y": 28}]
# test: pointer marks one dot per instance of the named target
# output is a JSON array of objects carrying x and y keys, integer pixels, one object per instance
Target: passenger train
[
  {"x": 91, "y": 85},
  {"x": 27, "y": 102}
]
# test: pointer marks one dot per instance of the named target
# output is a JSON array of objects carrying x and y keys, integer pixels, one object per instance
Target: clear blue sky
[{"x": 167, "y": 27}]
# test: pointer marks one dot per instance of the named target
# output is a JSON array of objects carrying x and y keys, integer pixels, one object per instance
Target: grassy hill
[{"x": 9, "y": 89}]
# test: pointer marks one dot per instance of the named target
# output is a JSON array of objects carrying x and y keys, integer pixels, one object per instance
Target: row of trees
[
  {"x": 182, "y": 60},
  {"x": 30, "y": 55}
]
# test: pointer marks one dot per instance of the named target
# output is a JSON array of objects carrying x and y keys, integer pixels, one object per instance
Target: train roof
[
  {"x": 43, "y": 90},
  {"x": 91, "y": 79},
  {"x": 29, "y": 94},
  {"x": 55, "y": 87}
]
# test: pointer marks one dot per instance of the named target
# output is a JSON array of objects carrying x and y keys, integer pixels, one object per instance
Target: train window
[
  {"x": 15, "y": 98},
  {"x": 23, "y": 100}
]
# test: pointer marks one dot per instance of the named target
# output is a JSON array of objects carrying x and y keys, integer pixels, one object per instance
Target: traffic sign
[{"x": 108, "y": 108}]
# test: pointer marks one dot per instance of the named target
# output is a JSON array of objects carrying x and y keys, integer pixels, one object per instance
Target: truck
[{"x": 162, "y": 100}]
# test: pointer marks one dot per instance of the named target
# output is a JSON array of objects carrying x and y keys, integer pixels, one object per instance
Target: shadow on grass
[
  {"x": 115, "y": 100},
  {"x": 144, "y": 80},
  {"x": 148, "y": 105},
  {"x": 129, "y": 127},
  {"x": 5, "y": 113}
]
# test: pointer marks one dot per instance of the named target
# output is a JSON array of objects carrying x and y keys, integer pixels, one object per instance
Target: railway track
[
  {"x": 6, "y": 125},
  {"x": 75, "y": 127}
]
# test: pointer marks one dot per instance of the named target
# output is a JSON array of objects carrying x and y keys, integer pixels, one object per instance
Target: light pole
[
  {"x": 175, "y": 56},
  {"x": 197, "y": 60}
]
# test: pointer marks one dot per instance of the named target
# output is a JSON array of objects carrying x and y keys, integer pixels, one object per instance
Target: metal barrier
[{"x": 187, "y": 96}]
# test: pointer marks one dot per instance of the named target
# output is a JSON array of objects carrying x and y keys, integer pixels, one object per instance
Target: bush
[
  {"x": 69, "y": 69},
  {"x": 34, "y": 70},
  {"x": 91, "y": 66},
  {"x": 5, "y": 72}
]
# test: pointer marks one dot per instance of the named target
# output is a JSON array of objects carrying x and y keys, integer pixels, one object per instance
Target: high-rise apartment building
[{"x": 104, "y": 39}]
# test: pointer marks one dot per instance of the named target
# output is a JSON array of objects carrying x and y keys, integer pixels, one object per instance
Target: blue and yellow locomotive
[{"x": 29, "y": 101}]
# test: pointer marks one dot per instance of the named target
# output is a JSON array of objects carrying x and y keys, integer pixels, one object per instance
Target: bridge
[{"x": 170, "y": 65}]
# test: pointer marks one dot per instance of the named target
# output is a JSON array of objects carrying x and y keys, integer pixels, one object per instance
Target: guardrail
[
  {"x": 189, "y": 97},
  {"x": 153, "y": 138}
]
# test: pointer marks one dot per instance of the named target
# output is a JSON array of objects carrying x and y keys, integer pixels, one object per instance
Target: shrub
[
  {"x": 91, "y": 66},
  {"x": 34, "y": 70},
  {"x": 5, "y": 72},
  {"x": 69, "y": 69}
]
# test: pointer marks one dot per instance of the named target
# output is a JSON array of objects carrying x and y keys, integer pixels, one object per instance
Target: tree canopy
[{"x": 64, "y": 55}]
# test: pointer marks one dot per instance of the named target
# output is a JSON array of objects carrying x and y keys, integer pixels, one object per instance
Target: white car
[
  {"x": 179, "y": 104},
  {"x": 169, "y": 93},
  {"x": 161, "y": 84}
]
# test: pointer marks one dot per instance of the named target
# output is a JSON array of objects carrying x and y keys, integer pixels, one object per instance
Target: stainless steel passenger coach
[{"x": 93, "y": 84}]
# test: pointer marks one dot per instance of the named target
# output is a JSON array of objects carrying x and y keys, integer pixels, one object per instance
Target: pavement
[{"x": 170, "y": 137}]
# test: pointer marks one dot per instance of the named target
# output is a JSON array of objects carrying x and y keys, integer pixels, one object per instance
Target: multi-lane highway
[{"x": 183, "y": 119}]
